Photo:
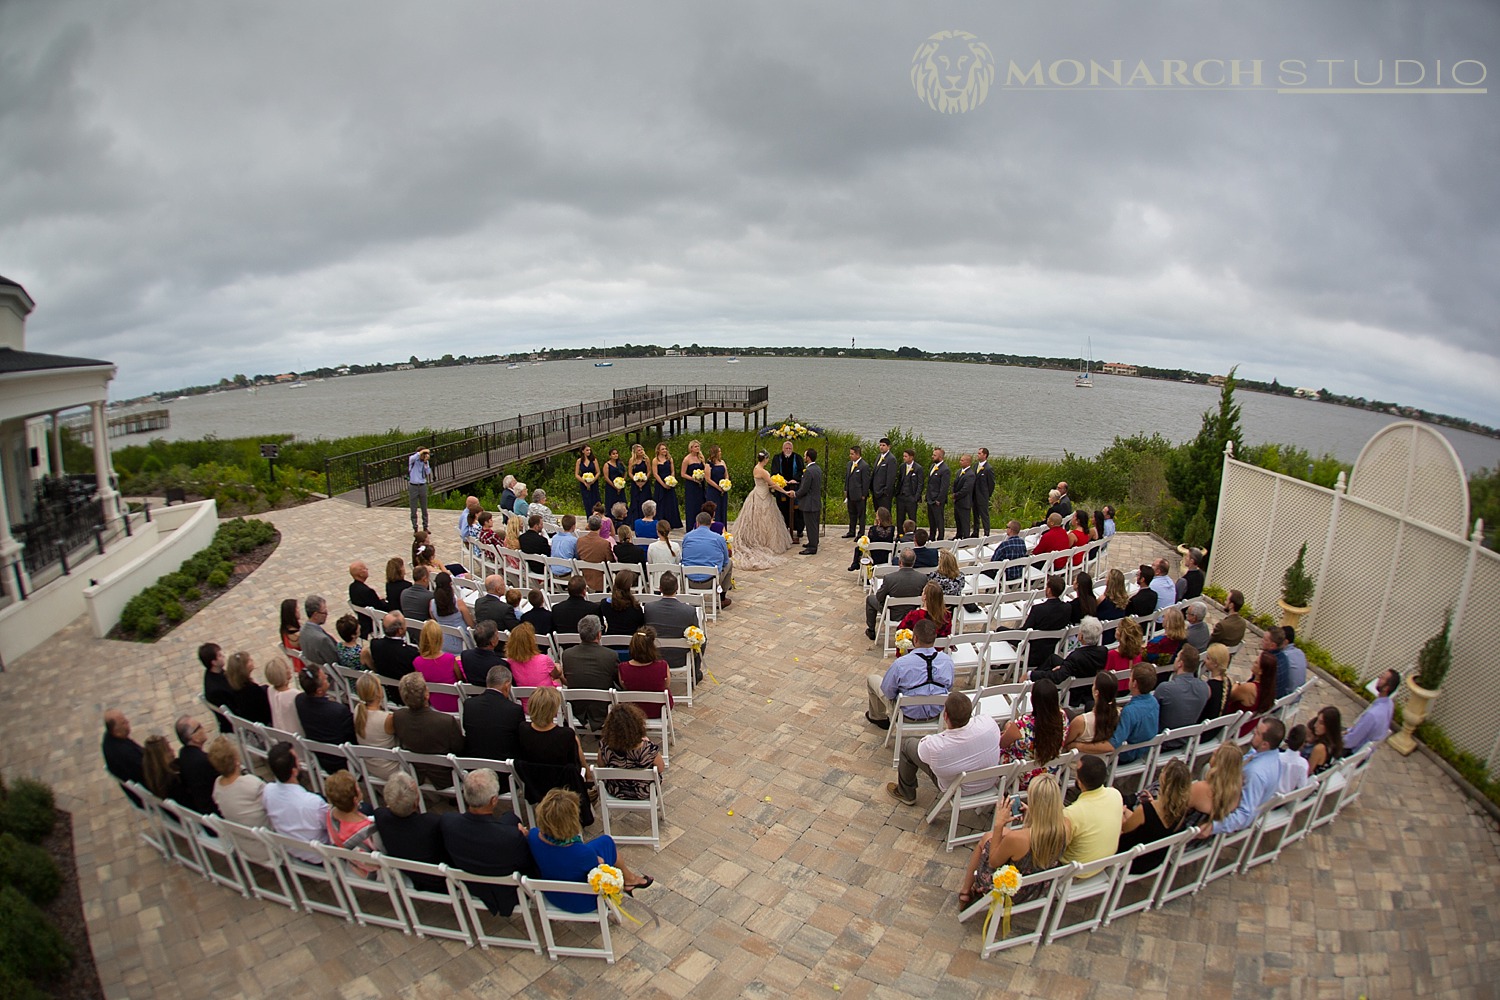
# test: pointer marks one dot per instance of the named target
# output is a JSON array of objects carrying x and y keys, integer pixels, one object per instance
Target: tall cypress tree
[{"x": 1194, "y": 471}]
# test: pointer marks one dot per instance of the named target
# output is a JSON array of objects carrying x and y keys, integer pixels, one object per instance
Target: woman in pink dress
[
  {"x": 645, "y": 670},
  {"x": 346, "y": 826},
  {"x": 437, "y": 666},
  {"x": 529, "y": 666}
]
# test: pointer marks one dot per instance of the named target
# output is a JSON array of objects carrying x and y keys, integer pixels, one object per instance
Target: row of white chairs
[
  {"x": 1078, "y": 897},
  {"x": 373, "y": 889},
  {"x": 982, "y": 575}
]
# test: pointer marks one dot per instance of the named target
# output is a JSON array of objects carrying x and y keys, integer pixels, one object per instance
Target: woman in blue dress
[
  {"x": 640, "y": 480},
  {"x": 588, "y": 492},
  {"x": 614, "y": 469},
  {"x": 666, "y": 496},
  {"x": 562, "y": 855},
  {"x": 717, "y": 473},
  {"x": 692, "y": 488}
]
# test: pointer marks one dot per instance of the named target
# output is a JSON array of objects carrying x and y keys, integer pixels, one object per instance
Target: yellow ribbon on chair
[
  {"x": 1005, "y": 884},
  {"x": 609, "y": 882}
]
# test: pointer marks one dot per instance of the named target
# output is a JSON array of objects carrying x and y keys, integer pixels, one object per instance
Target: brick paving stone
[{"x": 828, "y": 884}]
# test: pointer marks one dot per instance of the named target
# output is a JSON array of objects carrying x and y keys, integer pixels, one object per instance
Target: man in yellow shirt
[{"x": 1095, "y": 816}]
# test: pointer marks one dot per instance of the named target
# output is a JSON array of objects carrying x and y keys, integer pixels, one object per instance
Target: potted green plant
[
  {"x": 1422, "y": 684},
  {"x": 1197, "y": 533},
  {"x": 1296, "y": 590}
]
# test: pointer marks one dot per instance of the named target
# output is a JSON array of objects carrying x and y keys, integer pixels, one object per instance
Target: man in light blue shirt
[
  {"x": 1291, "y": 662},
  {"x": 1166, "y": 590},
  {"x": 467, "y": 532},
  {"x": 565, "y": 545},
  {"x": 704, "y": 547},
  {"x": 1140, "y": 719},
  {"x": 924, "y": 670},
  {"x": 418, "y": 475},
  {"x": 1374, "y": 723},
  {"x": 1261, "y": 775}
]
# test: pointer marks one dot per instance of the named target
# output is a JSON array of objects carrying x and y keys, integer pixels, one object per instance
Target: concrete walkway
[{"x": 818, "y": 885}]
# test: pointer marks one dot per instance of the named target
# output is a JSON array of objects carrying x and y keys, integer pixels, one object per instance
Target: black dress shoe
[
  {"x": 849, "y": 536},
  {"x": 870, "y": 634},
  {"x": 882, "y": 723}
]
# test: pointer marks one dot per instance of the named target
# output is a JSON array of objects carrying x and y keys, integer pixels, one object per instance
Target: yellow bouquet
[
  {"x": 779, "y": 481},
  {"x": 695, "y": 637},
  {"x": 724, "y": 484},
  {"x": 640, "y": 478},
  {"x": 619, "y": 482},
  {"x": 904, "y": 641},
  {"x": 609, "y": 882},
  {"x": 588, "y": 478},
  {"x": 864, "y": 543},
  {"x": 699, "y": 475},
  {"x": 1004, "y": 886},
  {"x": 671, "y": 482}
]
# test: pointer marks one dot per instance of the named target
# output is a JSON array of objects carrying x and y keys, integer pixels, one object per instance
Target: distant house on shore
[
  {"x": 288, "y": 377},
  {"x": 1305, "y": 393},
  {"x": 1217, "y": 379},
  {"x": 1118, "y": 368}
]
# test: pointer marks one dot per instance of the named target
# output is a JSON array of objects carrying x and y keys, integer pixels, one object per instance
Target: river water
[{"x": 1013, "y": 411}]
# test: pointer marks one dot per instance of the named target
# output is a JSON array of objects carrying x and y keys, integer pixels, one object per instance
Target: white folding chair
[
  {"x": 661, "y": 726},
  {"x": 902, "y": 727},
  {"x": 887, "y": 622},
  {"x": 294, "y": 857},
  {"x": 654, "y": 805},
  {"x": 1088, "y": 895},
  {"x": 688, "y": 672},
  {"x": 510, "y": 793},
  {"x": 373, "y": 884},
  {"x": 424, "y": 921},
  {"x": 549, "y": 580},
  {"x": 459, "y": 632},
  {"x": 1035, "y": 914},
  {"x": 1149, "y": 877},
  {"x": 599, "y": 915},
  {"x": 188, "y": 833},
  {"x": 1135, "y": 772},
  {"x": 1186, "y": 864},
  {"x": 413, "y": 762},
  {"x": 1338, "y": 784},
  {"x": 707, "y": 588},
  {"x": 1274, "y": 822},
  {"x": 375, "y": 616},
  {"x": 477, "y": 913},
  {"x": 255, "y": 859},
  {"x": 374, "y": 766},
  {"x": 990, "y": 784}
]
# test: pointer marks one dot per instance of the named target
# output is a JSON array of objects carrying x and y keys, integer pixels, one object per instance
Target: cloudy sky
[{"x": 194, "y": 190}]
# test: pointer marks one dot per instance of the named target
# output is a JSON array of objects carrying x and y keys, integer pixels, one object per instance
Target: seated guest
[
  {"x": 535, "y": 543},
  {"x": 645, "y": 670},
  {"x": 568, "y": 612},
  {"x": 1216, "y": 796},
  {"x": 1085, "y": 602},
  {"x": 1216, "y": 665},
  {"x": 592, "y": 547},
  {"x": 1059, "y": 503},
  {"x": 348, "y": 827},
  {"x": 1164, "y": 646},
  {"x": 1262, "y": 773},
  {"x": 1161, "y": 582},
  {"x": 522, "y": 505},
  {"x": 1158, "y": 816},
  {"x": 1139, "y": 720},
  {"x": 492, "y": 604},
  {"x": 881, "y": 531},
  {"x": 197, "y": 774},
  {"x": 409, "y": 834},
  {"x": 1182, "y": 698},
  {"x": 216, "y": 689},
  {"x": 590, "y": 665},
  {"x": 626, "y": 550},
  {"x": 122, "y": 755},
  {"x": 923, "y": 671},
  {"x": 606, "y": 525},
  {"x": 374, "y": 724},
  {"x": 247, "y": 699},
  {"x": 712, "y": 510},
  {"x": 1037, "y": 736},
  {"x": 1326, "y": 740},
  {"x": 1096, "y": 816},
  {"x": 662, "y": 550},
  {"x": 538, "y": 615},
  {"x": 923, "y": 557},
  {"x": 349, "y": 648},
  {"x": 1190, "y": 584},
  {"x": 492, "y": 719},
  {"x": 291, "y": 625},
  {"x": 646, "y": 524},
  {"x": 448, "y": 611},
  {"x": 362, "y": 595},
  {"x": 483, "y": 842},
  {"x": 1012, "y": 546},
  {"x": 237, "y": 795},
  {"x": 292, "y": 809},
  {"x": 1048, "y": 616},
  {"x": 395, "y": 582},
  {"x": 933, "y": 609},
  {"x": 562, "y": 855},
  {"x": 1144, "y": 600},
  {"x": 421, "y": 728},
  {"x": 623, "y": 743},
  {"x": 1054, "y": 539},
  {"x": 968, "y": 741},
  {"x": 1197, "y": 627},
  {"x": 317, "y": 645},
  {"x": 671, "y": 618},
  {"x": 488, "y": 537},
  {"x": 947, "y": 575},
  {"x": 1231, "y": 628},
  {"x": 905, "y": 582},
  {"x": 538, "y": 506},
  {"x": 322, "y": 718},
  {"x": 619, "y": 514},
  {"x": 623, "y": 614},
  {"x": 1086, "y": 660},
  {"x": 1291, "y": 662},
  {"x": 390, "y": 656},
  {"x": 1080, "y": 534},
  {"x": 1112, "y": 605},
  {"x": 1107, "y": 524},
  {"x": 1037, "y": 845},
  {"x": 476, "y": 663},
  {"x": 1258, "y": 694},
  {"x": 437, "y": 665},
  {"x": 1374, "y": 723},
  {"x": 564, "y": 545},
  {"x": 1293, "y": 767},
  {"x": 508, "y": 494},
  {"x": 1098, "y": 724},
  {"x": 159, "y": 769},
  {"x": 283, "y": 697},
  {"x": 704, "y": 547},
  {"x": 416, "y": 600},
  {"x": 549, "y": 755},
  {"x": 529, "y": 665},
  {"x": 1128, "y": 649}
]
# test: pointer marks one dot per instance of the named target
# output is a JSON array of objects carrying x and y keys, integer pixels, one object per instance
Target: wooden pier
[
  {"x": 378, "y": 476},
  {"x": 139, "y": 422}
]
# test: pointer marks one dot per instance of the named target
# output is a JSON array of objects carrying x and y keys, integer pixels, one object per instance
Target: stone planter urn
[
  {"x": 1418, "y": 701},
  {"x": 1291, "y": 614}
]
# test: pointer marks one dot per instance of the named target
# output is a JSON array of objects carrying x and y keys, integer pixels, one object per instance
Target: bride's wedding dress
[{"x": 760, "y": 534}]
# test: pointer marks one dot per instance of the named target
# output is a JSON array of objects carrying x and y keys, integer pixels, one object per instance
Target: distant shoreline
[{"x": 654, "y": 352}]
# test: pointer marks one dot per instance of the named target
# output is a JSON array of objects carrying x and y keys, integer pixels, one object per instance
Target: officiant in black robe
[{"x": 789, "y": 465}]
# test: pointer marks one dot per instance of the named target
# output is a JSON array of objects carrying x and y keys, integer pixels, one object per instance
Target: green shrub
[
  {"x": 29, "y": 868},
  {"x": 28, "y": 810},
  {"x": 173, "y": 611},
  {"x": 1296, "y": 585},
  {"x": 1436, "y": 657},
  {"x": 218, "y": 578},
  {"x": 30, "y": 947}
]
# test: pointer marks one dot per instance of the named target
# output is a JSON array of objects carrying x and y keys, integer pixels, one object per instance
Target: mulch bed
[
  {"x": 81, "y": 982},
  {"x": 244, "y": 565}
]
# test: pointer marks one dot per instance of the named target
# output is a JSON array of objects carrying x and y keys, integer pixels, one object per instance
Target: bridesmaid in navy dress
[
  {"x": 717, "y": 473},
  {"x": 666, "y": 496},
  {"x": 640, "y": 489},
  {"x": 692, "y": 489},
  {"x": 588, "y": 492},
  {"x": 614, "y": 469}
]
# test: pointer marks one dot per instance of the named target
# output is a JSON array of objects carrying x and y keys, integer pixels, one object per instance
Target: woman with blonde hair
[
  {"x": 947, "y": 575},
  {"x": 513, "y": 541},
  {"x": 1158, "y": 816},
  {"x": 345, "y": 825},
  {"x": 1112, "y": 606},
  {"x": 933, "y": 608},
  {"x": 562, "y": 855},
  {"x": 1219, "y": 793},
  {"x": 1127, "y": 651},
  {"x": 1164, "y": 645},
  {"x": 247, "y": 699},
  {"x": 374, "y": 724},
  {"x": 640, "y": 488},
  {"x": 283, "y": 697},
  {"x": 1035, "y": 846},
  {"x": 692, "y": 487},
  {"x": 437, "y": 665},
  {"x": 395, "y": 580},
  {"x": 1216, "y": 666},
  {"x": 529, "y": 666}
]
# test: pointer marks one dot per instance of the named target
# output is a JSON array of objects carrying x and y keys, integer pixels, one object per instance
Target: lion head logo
[{"x": 952, "y": 71}]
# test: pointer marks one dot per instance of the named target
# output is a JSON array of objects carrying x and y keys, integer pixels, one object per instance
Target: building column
[
  {"x": 57, "y": 449},
  {"x": 105, "y": 492},
  {"x": 10, "y": 549}
]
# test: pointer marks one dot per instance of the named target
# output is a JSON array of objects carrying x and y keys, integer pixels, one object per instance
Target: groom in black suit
[{"x": 810, "y": 500}]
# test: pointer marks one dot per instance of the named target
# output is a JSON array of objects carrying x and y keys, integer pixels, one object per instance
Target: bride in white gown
[{"x": 760, "y": 534}]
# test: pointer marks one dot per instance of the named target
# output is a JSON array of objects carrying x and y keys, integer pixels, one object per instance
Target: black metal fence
[{"x": 65, "y": 520}]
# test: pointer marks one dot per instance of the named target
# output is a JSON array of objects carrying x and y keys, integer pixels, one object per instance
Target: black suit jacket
[
  {"x": 789, "y": 469},
  {"x": 857, "y": 480},
  {"x": 671, "y": 617},
  {"x": 1142, "y": 602},
  {"x": 924, "y": 557},
  {"x": 810, "y": 489},
  {"x": 477, "y": 663},
  {"x": 534, "y": 543},
  {"x": 326, "y": 721},
  {"x": 539, "y": 619},
  {"x": 984, "y": 483},
  {"x": 883, "y": 475},
  {"x": 362, "y": 595},
  {"x": 217, "y": 692},
  {"x": 939, "y": 483},
  {"x": 964, "y": 485},
  {"x": 568, "y": 613},
  {"x": 490, "y": 724},
  {"x": 1047, "y": 616},
  {"x": 123, "y": 759},
  {"x": 488, "y": 845},
  {"x": 909, "y": 484},
  {"x": 198, "y": 777},
  {"x": 418, "y": 837},
  {"x": 392, "y": 658},
  {"x": 491, "y": 608}
]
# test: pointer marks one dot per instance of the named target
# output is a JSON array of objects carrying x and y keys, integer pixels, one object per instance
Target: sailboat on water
[
  {"x": 606, "y": 363},
  {"x": 1083, "y": 379}
]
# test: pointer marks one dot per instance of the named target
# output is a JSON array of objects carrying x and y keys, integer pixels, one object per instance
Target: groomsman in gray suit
[
  {"x": 810, "y": 500},
  {"x": 857, "y": 491},
  {"x": 963, "y": 496},
  {"x": 984, "y": 489},
  {"x": 909, "y": 479},
  {"x": 883, "y": 477},
  {"x": 939, "y": 482}
]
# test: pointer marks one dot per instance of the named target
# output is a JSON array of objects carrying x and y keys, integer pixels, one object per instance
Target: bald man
[
  {"x": 362, "y": 595},
  {"x": 492, "y": 606},
  {"x": 122, "y": 755},
  {"x": 467, "y": 532}
]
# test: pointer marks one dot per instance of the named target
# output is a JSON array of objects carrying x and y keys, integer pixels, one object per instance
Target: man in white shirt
[
  {"x": 1293, "y": 764},
  {"x": 968, "y": 741},
  {"x": 292, "y": 809}
]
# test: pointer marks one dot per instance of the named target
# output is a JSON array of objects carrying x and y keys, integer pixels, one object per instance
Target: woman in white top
[
  {"x": 238, "y": 796},
  {"x": 1097, "y": 725},
  {"x": 662, "y": 550},
  {"x": 283, "y": 697},
  {"x": 373, "y": 725}
]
